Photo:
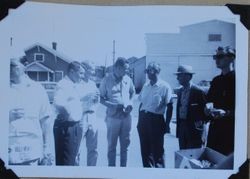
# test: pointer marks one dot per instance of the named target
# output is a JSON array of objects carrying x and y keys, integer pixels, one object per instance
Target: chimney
[{"x": 54, "y": 44}]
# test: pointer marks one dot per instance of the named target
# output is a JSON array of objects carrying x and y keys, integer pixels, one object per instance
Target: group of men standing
[{"x": 77, "y": 98}]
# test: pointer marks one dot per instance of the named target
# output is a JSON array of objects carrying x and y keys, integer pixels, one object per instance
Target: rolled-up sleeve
[
  {"x": 131, "y": 89},
  {"x": 103, "y": 89},
  {"x": 168, "y": 94},
  {"x": 45, "y": 108}
]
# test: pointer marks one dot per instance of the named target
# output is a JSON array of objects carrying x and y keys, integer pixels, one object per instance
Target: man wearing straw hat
[{"x": 190, "y": 110}]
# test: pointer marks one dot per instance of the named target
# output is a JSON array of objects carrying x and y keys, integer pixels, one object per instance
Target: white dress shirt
[
  {"x": 68, "y": 95},
  {"x": 154, "y": 98}
]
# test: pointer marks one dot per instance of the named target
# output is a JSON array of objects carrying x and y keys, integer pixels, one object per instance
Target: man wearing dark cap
[
  {"x": 221, "y": 103},
  {"x": 190, "y": 110},
  {"x": 154, "y": 97},
  {"x": 117, "y": 91}
]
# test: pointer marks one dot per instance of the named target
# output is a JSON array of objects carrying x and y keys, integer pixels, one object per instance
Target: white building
[{"x": 194, "y": 45}]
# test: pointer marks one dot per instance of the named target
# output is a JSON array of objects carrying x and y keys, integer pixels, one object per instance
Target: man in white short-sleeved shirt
[
  {"x": 154, "y": 97},
  {"x": 30, "y": 124}
]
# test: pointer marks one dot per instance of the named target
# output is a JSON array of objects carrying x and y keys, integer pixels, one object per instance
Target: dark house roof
[{"x": 50, "y": 50}]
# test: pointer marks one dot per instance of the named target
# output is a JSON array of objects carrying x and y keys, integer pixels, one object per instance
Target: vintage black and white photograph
[{"x": 109, "y": 89}]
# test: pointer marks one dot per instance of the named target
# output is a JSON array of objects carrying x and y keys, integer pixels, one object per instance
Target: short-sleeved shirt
[
  {"x": 68, "y": 95},
  {"x": 25, "y": 134},
  {"x": 153, "y": 96},
  {"x": 89, "y": 106},
  {"x": 117, "y": 91}
]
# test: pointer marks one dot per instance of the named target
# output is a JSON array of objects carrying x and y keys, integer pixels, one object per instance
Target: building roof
[
  {"x": 207, "y": 22},
  {"x": 36, "y": 66},
  {"x": 174, "y": 35},
  {"x": 135, "y": 59},
  {"x": 50, "y": 50}
]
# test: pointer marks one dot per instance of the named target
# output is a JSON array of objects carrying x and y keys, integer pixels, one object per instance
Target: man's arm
[
  {"x": 46, "y": 123},
  {"x": 103, "y": 95},
  {"x": 166, "y": 98},
  {"x": 108, "y": 103},
  {"x": 131, "y": 90},
  {"x": 60, "y": 101}
]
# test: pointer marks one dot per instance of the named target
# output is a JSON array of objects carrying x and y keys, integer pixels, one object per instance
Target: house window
[
  {"x": 39, "y": 57},
  {"x": 214, "y": 37},
  {"x": 58, "y": 75}
]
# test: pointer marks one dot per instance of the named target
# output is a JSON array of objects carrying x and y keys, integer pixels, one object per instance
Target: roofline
[
  {"x": 180, "y": 54},
  {"x": 163, "y": 33},
  {"x": 198, "y": 23},
  {"x": 39, "y": 64},
  {"x": 52, "y": 51}
]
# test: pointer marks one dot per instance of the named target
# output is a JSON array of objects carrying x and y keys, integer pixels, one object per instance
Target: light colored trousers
[
  {"x": 118, "y": 128},
  {"x": 91, "y": 144},
  {"x": 90, "y": 135}
]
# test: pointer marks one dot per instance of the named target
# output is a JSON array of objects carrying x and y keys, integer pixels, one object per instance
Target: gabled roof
[
  {"x": 36, "y": 66},
  {"x": 50, "y": 50}
]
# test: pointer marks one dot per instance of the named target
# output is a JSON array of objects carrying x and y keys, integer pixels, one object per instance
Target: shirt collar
[
  {"x": 156, "y": 84},
  {"x": 115, "y": 78},
  {"x": 70, "y": 81},
  {"x": 188, "y": 87}
]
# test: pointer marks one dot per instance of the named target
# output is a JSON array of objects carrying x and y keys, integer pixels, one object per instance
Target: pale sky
[{"x": 87, "y": 32}]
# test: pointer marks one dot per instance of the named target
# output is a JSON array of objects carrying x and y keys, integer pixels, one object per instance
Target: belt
[
  {"x": 148, "y": 112},
  {"x": 65, "y": 123},
  {"x": 88, "y": 112}
]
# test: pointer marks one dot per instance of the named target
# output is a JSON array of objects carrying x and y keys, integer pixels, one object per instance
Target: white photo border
[{"x": 107, "y": 172}]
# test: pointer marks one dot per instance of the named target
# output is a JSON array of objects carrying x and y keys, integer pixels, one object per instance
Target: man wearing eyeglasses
[
  {"x": 221, "y": 103},
  {"x": 154, "y": 97}
]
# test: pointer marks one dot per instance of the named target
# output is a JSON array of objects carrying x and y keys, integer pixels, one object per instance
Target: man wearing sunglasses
[{"x": 221, "y": 103}]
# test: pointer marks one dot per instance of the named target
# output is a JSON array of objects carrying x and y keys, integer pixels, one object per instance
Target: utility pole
[
  {"x": 113, "y": 52},
  {"x": 106, "y": 61},
  {"x": 11, "y": 39}
]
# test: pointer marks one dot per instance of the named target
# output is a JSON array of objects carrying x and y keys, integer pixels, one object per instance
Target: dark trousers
[
  {"x": 188, "y": 138},
  {"x": 221, "y": 136},
  {"x": 168, "y": 117},
  {"x": 68, "y": 135},
  {"x": 151, "y": 129}
]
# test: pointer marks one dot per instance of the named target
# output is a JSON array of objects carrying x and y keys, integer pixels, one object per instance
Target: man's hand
[
  {"x": 128, "y": 109},
  {"x": 217, "y": 113},
  {"x": 95, "y": 96},
  {"x": 16, "y": 114},
  {"x": 119, "y": 106},
  {"x": 48, "y": 159}
]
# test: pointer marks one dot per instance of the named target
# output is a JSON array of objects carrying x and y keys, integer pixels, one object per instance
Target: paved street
[{"x": 134, "y": 156}]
